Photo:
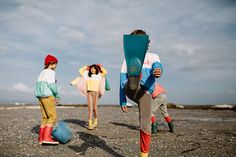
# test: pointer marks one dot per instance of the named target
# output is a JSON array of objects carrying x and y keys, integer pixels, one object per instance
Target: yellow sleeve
[
  {"x": 81, "y": 70},
  {"x": 104, "y": 72},
  {"x": 75, "y": 81}
]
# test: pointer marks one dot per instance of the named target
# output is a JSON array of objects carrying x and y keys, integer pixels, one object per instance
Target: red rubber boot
[
  {"x": 47, "y": 139},
  {"x": 40, "y": 138}
]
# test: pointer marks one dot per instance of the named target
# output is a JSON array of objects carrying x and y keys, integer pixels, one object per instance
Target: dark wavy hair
[
  {"x": 96, "y": 67},
  {"x": 138, "y": 32}
]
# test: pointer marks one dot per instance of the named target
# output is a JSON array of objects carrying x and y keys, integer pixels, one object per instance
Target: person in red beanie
[{"x": 48, "y": 96}]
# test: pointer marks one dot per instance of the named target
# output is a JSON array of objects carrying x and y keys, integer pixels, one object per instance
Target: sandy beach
[{"x": 198, "y": 132}]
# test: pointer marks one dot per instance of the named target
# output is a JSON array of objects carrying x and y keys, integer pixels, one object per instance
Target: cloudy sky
[{"x": 196, "y": 41}]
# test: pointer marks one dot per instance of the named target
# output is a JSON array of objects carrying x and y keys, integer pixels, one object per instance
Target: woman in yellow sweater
[{"x": 93, "y": 74}]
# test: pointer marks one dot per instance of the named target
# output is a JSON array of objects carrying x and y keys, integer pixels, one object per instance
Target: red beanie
[{"x": 49, "y": 59}]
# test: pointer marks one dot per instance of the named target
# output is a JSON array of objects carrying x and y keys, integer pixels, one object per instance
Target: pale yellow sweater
[{"x": 93, "y": 82}]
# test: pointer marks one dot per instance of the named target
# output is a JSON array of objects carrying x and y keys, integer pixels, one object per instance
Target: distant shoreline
[{"x": 170, "y": 106}]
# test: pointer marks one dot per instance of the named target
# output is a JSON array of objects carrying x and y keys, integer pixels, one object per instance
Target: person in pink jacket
[{"x": 160, "y": 102}]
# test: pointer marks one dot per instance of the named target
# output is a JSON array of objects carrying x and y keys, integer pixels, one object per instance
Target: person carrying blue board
[{"x": 137, "y": 81}]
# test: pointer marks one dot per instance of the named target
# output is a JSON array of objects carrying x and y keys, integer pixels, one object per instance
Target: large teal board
[{"x": 135, "y": 48}]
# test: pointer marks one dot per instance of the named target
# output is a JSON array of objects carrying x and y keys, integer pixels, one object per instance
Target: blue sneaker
[
  {"x": 171, "y": 127},
  {"x": 154, "y": 128}
]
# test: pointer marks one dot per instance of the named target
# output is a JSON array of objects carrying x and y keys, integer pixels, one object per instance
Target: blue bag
[
  {"x": 107, "y": 86},
  {"x": 62, "y": 132}
]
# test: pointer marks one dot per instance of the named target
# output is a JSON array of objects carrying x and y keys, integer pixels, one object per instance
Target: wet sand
[{"x": 198, "y": 132}]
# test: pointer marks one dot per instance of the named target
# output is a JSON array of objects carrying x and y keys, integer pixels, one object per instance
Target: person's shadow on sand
[
  {"x": 126, "y": 125},
  {"x": 77, "y": 121},
  {"x": 92, "y": 141}
]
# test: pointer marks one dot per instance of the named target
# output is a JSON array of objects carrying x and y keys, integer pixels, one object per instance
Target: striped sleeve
[
  {"x": 156, "y": 63},
  {"x": 123, "y": 80},
  {"x": 104, "y": 72}
]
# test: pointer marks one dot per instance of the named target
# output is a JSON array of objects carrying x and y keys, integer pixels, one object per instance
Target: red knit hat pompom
[{"x": 50, "y": 59}]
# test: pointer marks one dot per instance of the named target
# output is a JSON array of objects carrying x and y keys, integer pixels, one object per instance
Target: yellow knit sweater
[{"x": 93, "y": 82}]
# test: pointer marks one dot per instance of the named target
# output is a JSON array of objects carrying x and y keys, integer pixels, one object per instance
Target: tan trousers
[
  {"x": 48, "y": 110},
  {"x": 160, "y": 102},
  {"x": 144, "y": 103}
]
